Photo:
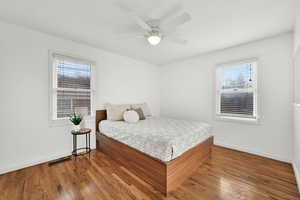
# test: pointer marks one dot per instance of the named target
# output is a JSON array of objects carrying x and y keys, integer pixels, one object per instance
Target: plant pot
[{"x": 76, "y": 127}]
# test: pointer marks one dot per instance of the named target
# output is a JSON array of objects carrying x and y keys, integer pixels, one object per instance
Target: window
[
  {"x": 71, "y": 82},
  {"x": 236, "y": 92}
]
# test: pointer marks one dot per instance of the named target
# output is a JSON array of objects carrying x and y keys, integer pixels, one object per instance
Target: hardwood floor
[{"x": 229, "y": 175}]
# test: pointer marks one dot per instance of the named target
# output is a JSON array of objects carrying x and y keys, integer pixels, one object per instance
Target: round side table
[{"x": 87, "y": 133}]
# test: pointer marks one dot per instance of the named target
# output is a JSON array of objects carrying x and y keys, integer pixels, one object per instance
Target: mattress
[{"x": 161, "y": 138}]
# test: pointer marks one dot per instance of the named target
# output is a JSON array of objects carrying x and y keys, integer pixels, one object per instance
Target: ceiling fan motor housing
[{"x": 155, "y": 31}]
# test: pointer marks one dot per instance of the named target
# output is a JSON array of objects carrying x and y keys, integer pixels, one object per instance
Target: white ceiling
[{"x": 215, "y": 24}]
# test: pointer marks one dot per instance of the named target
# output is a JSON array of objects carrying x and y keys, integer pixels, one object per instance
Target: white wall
[
  {"x": 296, "y": 138},
  {"x": 187, "y": 92},
  {"x": 297, "y": 29},
  {"x": 26, "y": 137}
]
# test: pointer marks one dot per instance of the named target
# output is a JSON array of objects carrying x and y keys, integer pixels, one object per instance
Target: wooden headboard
[{"x": 100, "y": 115}]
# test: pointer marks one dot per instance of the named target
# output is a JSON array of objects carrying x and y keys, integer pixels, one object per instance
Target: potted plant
[{"x": 76, "y": 119}]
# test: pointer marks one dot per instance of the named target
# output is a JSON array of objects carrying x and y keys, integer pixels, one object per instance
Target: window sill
[
  {"x": 238, "y": 120},
  {"x": 66, "y": 122},
  {"x": 59, "y": 122}
]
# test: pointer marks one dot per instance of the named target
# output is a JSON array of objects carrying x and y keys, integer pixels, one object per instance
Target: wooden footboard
[
  {"x": 164, "y": 176},
  {"x": 181, "y": 168},
  {"x": 150, "y": 170}
]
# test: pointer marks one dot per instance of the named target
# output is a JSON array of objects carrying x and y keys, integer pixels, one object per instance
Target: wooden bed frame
[{"x": 164, "y": 176}]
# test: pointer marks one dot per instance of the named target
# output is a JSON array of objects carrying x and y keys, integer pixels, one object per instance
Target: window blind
[
  {"x": 73, "y": 75},
  {"x": 236, "y": 90},
  {"x": 237, "y": 103},
  {"x": 73, "y": 86}
]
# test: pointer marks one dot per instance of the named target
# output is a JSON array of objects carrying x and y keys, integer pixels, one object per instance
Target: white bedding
[{"x": 161, "y": 138}]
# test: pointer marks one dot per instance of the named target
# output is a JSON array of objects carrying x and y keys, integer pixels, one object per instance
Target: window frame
[
  {"x": 217, "y": 94},
  {"x": 53, "y": 120}
]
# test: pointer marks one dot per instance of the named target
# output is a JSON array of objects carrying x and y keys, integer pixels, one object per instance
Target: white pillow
[
  {"x": 144, "y": 107},
  {"x": 131, "y": 116},
  {"x": 115, "y": 111}
]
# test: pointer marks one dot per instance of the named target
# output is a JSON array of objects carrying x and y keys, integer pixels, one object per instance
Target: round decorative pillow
[{"x": 131, "y": 116}]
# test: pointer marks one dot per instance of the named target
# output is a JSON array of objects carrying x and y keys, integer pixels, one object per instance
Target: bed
[{"x": 162, "y": 152}]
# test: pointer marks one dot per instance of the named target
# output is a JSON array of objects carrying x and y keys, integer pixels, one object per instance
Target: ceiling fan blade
[
  {"x": 177, "y": 21},
  {"x": 128, "y": 36},
  {"x": 166, "y": 11},
  {"x": 141, "y": 23},
  {"x": 123, "y": 6},
  {"x": 178, "y": 40},
  {"x": 134, "y": 16},
  {"x": 172, "y": 12}
]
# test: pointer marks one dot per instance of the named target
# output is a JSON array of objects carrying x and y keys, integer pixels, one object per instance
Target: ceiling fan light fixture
[{"x": 154, "y": 39}]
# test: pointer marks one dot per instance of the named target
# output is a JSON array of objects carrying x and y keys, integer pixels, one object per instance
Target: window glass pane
[
  {"x": 239, "y": 76},
  {"x": 73, "y": 75},
  {"x": 68, "y": 101},
  {"x": 237, "y": 103}
]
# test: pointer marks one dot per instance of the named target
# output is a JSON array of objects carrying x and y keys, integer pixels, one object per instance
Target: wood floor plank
[{"x": 229, "y": 175}]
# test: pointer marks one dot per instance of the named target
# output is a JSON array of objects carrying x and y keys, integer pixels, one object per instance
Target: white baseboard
[
  {"x": 297, "y": 174},
  {"x": 246, "y": 150},
  {"x": 25, "y": 164}
]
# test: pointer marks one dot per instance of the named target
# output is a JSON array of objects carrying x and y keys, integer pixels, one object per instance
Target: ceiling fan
[{"x": 160, "y": 24}]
